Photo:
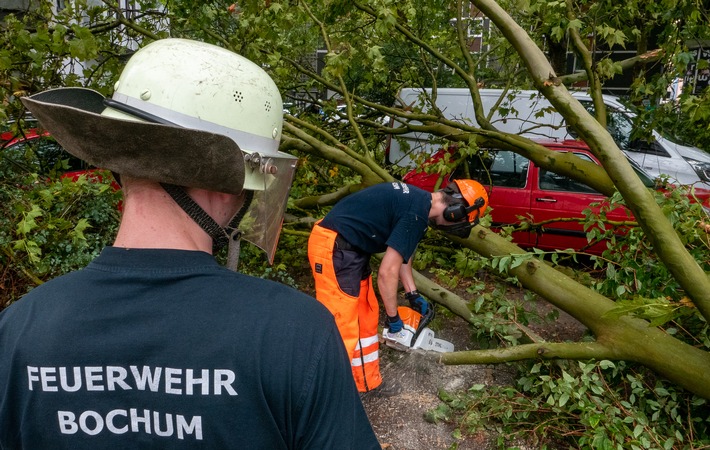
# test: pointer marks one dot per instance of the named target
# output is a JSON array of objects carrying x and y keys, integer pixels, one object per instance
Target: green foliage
[
  {"x": 499, "y": 310},
  {"x": 50, "y": 226},
  {"x": 290, "y": 265},
  {"x": 372, "y": 49},
  {"x": 631, "y": 273},
  {"x": 604, "y": 404},
  {"x": 569, "y": 404},
  {"x": 601, "y": 405}
]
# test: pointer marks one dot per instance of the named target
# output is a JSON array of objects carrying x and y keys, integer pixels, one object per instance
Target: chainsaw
[{"x": 415, "y": 334}]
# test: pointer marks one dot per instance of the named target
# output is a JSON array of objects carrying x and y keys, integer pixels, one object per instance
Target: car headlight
[{"x": 701, "y": 168}]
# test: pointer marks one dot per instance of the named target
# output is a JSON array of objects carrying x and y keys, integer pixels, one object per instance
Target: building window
[
  {"x": 477, "y": 29},
  {"x": 130, "y": 9}
]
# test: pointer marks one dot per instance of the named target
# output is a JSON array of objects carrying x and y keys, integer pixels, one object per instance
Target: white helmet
[
  {"x": 174, "y": 103},
  {"x": 204, "y": 87}
]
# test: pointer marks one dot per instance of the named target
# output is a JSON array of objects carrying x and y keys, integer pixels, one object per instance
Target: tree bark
[
  {"x": 660, "y": 232},
  {"x": 624, "y": 338}
]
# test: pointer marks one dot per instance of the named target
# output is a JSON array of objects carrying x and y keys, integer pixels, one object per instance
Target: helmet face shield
[
  {"x": 461, "y": 229},
  {"x": 261, "y": 225}
]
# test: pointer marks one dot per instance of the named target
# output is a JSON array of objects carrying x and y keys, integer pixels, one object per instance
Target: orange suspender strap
[
  {"x": 366, "y": 360},
  {"x": 356, "y": 318}
]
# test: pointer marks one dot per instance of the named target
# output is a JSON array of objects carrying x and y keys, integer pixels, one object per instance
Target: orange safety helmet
[
  {"x": 464, "y": 213},
  {"x": 474, "y": 201}
]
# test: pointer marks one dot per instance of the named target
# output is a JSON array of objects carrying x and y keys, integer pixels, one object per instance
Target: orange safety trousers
[{"x": 356, "y": 317}]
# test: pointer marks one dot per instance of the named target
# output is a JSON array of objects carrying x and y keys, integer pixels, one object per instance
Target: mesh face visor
[
  {"x": 461, "y": 229},
  {"x": 262, "y": 222}
]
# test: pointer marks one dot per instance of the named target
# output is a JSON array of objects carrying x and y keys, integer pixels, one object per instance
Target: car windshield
[
  {"x": 37, "y": 155},
  {"x": 618, "y": 123},
  {"x": 497, "y": 168},
  {"x": 645, "y": 178},
  {"x": 505, "y": 168},
  {"x": 665, "y": 133}
]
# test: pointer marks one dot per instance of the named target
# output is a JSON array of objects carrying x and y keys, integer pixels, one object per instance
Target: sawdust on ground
[{"x": 412, "y": 382}]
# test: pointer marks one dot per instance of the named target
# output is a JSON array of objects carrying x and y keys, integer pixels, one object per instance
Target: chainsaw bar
[{"x": 427, "y": 341}]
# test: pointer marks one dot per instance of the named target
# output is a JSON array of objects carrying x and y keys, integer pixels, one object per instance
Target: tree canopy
[{"x": 341, "y": 65}]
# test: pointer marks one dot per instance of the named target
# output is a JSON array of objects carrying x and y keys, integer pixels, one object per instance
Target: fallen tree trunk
[
  {"x": 459, "y": 306},
  {"x": 623, "y": 338}
]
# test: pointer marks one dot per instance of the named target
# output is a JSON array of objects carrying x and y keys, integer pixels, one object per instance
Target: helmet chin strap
[
  {"x": 229, "y": 235},
  {"x": 235, "y": 235}
]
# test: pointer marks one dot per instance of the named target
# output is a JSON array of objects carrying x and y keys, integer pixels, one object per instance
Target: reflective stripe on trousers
[{"x": 356, "y": 317}]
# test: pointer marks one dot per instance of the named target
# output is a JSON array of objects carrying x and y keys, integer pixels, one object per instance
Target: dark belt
[
  {"x": 357, "y": 258},
  {"x": 343, "y": 244}
]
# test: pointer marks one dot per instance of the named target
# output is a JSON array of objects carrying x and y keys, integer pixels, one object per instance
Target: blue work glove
[
  {"x": 417, "y": 302},
  {"x": 394, "y": 324}
]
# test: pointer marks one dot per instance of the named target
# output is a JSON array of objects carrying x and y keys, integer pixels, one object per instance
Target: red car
[
  {"x": 35, "y": 151},
  {"x": 519, "y": 188}
]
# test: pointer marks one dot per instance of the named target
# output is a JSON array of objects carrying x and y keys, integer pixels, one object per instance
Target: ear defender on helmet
[
  {"x": 460, "y": 211},
  {"x": 473, "y": 197}
]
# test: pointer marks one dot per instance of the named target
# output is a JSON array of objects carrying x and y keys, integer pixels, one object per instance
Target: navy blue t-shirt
[
  {"x": 167, "y": 349},
  {"x": 384, "y": 215}
]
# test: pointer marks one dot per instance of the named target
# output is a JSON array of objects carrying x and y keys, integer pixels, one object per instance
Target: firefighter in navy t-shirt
[
  {"x": 153, "y": 344},
  {"x": 390, "y": 218}
]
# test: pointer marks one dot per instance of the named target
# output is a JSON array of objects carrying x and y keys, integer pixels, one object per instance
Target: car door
[{"x": 557, "y": 202}]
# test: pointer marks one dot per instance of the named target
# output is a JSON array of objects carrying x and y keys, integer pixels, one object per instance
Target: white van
[{"x": 530, "y": 114}]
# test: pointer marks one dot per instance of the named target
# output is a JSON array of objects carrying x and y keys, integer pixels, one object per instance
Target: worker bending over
[{"x": 390, "y": 218}]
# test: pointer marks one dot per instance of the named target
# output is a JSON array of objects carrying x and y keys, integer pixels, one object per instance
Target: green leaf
[
  {"x": 28, "y": 223},
  {"x": 638, "y": 429},
  {"x": 661, "y": 391},
  {"x": 606, "y": 364},
  {"x": 564, "y": 398},
  {"x": 595, "y": 419}
]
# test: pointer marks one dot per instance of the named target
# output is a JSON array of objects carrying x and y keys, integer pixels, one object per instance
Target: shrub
[
  {"x": 570, "y": 404},
  {"x": 44, "y": 223}
]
